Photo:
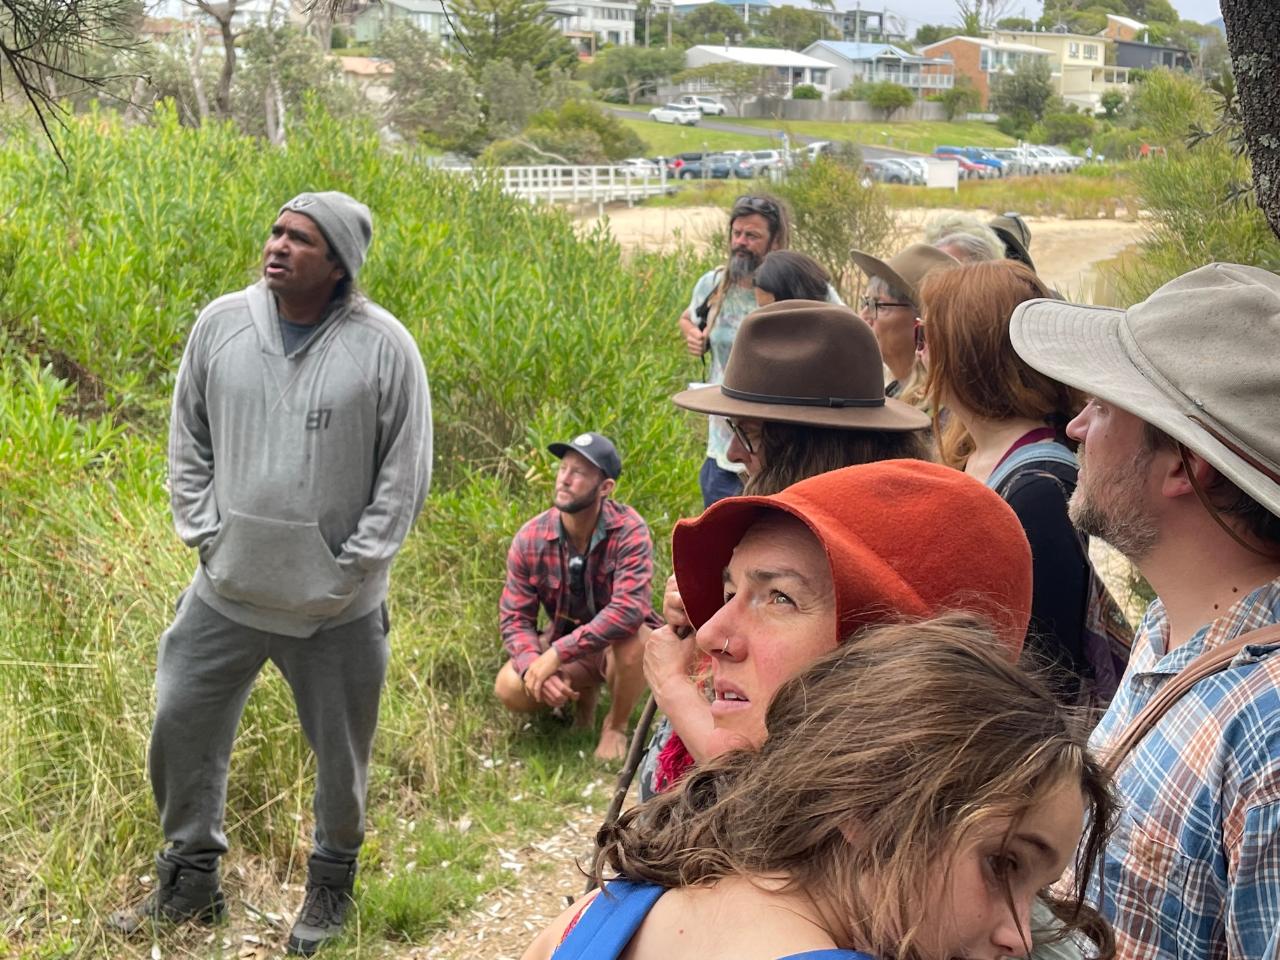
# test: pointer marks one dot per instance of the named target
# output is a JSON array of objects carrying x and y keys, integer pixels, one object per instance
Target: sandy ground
[{"x": 1064, "y": 250}]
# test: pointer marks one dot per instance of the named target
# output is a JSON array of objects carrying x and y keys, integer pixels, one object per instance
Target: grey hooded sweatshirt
[{"x": 297, "y": 477}]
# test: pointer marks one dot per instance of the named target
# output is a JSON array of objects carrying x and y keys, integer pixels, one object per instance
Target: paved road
[{"x": 869, "y": 151}]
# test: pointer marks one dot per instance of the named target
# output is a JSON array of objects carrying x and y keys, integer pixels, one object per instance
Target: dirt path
[
  {"x": 501, "y": 925},
  {"x": 1065, "y": 251}
]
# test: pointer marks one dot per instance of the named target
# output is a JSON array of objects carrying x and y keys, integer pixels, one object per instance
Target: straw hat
[
  {"x": 805, "y": 361},
  {"x": 1196, "y": 359}
]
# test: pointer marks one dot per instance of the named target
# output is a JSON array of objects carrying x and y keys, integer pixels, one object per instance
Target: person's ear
[
  {"x": 1174, "y": 479},
  {"x": 608, "y": 486}
]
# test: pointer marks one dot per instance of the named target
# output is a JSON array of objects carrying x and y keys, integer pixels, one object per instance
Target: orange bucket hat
[{"x": 904, "y": 538}]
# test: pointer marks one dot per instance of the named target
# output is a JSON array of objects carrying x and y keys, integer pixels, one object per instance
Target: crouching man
[{"x": 588, "y": 564}]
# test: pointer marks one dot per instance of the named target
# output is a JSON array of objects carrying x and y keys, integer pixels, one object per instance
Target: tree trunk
[
  {"x": 197, "y": 78},
  {"x": 1253, "y": 36},
  {"x": 223, "y": 14},
  {"x": 228, "y": 67}
]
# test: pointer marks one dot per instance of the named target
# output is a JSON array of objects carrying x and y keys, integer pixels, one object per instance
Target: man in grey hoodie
[{"x": 299, "y": 456}]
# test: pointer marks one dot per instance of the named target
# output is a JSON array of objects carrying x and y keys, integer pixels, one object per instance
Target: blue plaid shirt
[{"x": 1193, "y": 869}]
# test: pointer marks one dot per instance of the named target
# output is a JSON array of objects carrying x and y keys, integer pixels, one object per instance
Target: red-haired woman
[{"x": 1005, "y": 425}]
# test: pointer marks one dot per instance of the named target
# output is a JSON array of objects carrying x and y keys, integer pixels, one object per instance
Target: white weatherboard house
[
  {"x": 786, "y": 68},
  {"x": 882, "y": 63}
]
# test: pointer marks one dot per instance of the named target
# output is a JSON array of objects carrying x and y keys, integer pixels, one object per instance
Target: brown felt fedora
[
  {"x": 905, "y": 271},
  {"x": 1016, "y": 236},
  {"x": 805, "y": 361}
]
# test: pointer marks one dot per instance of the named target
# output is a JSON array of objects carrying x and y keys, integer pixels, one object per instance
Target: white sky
[{"x": 917, "y": 12}]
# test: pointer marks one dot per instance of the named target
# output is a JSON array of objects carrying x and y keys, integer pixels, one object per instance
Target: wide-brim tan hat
[
  {"x": 1016, "y": 236},
  {"x": 808, "y": 362},
  {"x": 905, "y": 271},
  {"x": 1196, "y": 359}
]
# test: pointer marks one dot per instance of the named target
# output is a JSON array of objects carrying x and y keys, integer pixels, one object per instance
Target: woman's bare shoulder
[{"x": 545, "y": 943}]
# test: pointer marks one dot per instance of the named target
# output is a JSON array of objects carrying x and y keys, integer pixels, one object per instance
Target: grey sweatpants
[{"x": 206, "y": 668}]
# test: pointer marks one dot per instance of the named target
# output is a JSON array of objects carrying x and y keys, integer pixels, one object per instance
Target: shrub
[
  {"x": 854, "y": 91},
  {"x": 1192, "y": 221},
  {"x": 889, "y": 97},
  {"x": 805, "y": 91},
  {"x": 832, "y": 212},
  {"x": 1169, "y": 104},
  {"x": 961, "y": 99},
  {"x": 569, "y": 125},
  {"x": 1067, "y": 127}
]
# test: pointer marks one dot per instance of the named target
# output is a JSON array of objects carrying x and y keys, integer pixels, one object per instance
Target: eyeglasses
[
  {"x": 919, "y": 335},
  {"x": 742, "y": 437},
  {"x": 873, "y": 305},
  {"x": 577, "y": 575}
]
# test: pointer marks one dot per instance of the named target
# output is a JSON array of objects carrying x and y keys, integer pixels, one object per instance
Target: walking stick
[{"x": 628, "y": 772}]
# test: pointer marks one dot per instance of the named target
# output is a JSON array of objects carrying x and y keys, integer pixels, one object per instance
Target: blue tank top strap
[
  {"x": 828, "y": 955},
  {"x": 608, "y": 924}
]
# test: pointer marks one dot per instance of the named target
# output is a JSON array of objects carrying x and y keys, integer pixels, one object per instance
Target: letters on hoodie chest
[{"x": 311, "y": 413}]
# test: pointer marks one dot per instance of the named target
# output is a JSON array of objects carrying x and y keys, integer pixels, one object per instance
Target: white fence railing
[{"x": 587, "y": 184}]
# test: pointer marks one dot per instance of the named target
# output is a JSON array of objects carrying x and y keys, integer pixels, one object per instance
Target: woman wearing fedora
[
  {"x": 892, "y": 307},
  {"x": 803, "y": 394}
]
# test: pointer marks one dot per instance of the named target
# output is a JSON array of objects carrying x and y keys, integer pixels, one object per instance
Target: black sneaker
[
  {"x": 324, "y": 910},
  {"x": 181, "y": 894}
]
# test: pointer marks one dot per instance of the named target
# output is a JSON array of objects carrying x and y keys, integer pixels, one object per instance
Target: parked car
[
  {"x": 641, "y": 167},
  {"x": 896, "y": 170},
  {"x": 680, "y": 113},
  {"x": 709, "y": 106},
  {"x": 873, "y": 171},
  {"x": 977, "y": 155},
  {"x": 1050, "y": 161},
  {"x": 968, "y": 169},
  {"x": 713, "y": 166},
  {"x": 919, "y": 166},
  {"x": 1068, "y": 159},
  {"x": 1018, "y": 162},
  {"x": 765, "y": 160}
]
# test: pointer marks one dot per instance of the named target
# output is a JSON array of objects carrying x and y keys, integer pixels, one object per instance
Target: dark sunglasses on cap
[{"x": 761, "y": 205}]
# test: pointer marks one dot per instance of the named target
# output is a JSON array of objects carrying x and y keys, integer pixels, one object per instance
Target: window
[
  {"x": 1073, "y": 49},
  {"x": 984, "y": 61},
  {"x": 1091, "y": 51}
]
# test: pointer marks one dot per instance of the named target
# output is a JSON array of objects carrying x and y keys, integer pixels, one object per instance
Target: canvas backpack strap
[
  {"x": 1205, "y": 665},
  {"x": 1041, "y": 452}
]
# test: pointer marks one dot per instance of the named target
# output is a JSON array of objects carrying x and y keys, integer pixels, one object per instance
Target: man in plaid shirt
[
  {"x": 587, "y": 563},
  {"x": 1180, "y": 471}
]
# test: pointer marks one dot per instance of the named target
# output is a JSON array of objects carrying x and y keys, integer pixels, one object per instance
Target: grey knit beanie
[{"x": 345, "y": 222}]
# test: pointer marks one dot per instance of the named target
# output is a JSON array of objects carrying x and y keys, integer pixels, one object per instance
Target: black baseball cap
[{"x": 596, "y": 448}]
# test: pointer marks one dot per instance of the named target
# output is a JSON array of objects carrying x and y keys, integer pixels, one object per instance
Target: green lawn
[
  {"x": 919, "y": 136},
  {"x": 665, "y": 139}
]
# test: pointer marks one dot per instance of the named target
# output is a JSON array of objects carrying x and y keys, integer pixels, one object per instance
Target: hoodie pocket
[{"x": 277, "y": 564}]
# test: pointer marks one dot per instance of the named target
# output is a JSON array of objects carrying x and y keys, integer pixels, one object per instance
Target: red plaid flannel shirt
[{"x": 619, "y": 574}]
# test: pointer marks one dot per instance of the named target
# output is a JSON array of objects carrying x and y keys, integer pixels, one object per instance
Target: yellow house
[{"x": 1079, "y": 64}]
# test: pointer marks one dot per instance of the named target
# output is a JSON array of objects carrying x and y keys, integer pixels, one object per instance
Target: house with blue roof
[{"x": 880, "y": 62}]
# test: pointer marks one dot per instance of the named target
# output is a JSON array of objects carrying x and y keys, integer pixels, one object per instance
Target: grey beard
[{"x": 743, "y": 265}]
